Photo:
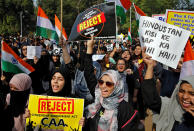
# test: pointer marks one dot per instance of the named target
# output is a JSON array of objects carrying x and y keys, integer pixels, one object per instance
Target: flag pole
[
  {"x": 61, "y": 17},
  {"x": 130, "y": 19}
]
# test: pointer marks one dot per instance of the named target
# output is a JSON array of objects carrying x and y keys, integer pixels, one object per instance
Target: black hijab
[{"x": 66, "y": 90}]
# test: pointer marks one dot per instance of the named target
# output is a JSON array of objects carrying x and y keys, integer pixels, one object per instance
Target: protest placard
[
  {"x": 182, "y": 19},
  {"x": 57, "y": 51},
  {"x": 159, "y": 17},
  {"x": 99, "y": 20},
  {"x": 164, "y": 42},
  {"x": 109, "y": 47},
  {"x": 97, "y": 57},
  {"x": 33, "y": 51},
  {"x": 57, "y": 113}
]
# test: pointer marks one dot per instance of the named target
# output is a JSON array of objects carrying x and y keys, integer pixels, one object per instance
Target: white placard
[
  {"x": 109, "y": 47},
  {"x": 164, "y": 42},
  {"x": 97, "y": 57},
  {"x": 33, "y": 51},
  {"x": 57, "y": 51}
]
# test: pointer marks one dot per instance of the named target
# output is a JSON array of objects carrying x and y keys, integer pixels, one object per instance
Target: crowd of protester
[{"x": 117, "y": 90}]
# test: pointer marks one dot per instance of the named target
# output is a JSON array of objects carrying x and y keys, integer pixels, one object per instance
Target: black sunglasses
[{"x": 108, "y": 84}]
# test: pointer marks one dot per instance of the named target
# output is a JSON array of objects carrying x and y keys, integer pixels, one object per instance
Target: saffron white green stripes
[
  {"x": 129, "y": 35},
  {"x": 44, "y": 26},
  {"x": 58, "y": 29},
  {"x": 11, "y": 62},
  {"x": 121, "y": 8}
]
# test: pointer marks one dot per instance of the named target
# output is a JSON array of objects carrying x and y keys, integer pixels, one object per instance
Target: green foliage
[
  {"x": 151, "y": 7},
  {"x": 10, "y": 16},
  {"x": 10, "y": 12}
]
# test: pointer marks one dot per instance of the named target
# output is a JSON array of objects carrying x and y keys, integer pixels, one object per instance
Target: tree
[{"x": 10, "y": 16}]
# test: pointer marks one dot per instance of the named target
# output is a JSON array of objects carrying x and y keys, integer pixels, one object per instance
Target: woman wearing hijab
[
  {"x": 60, "y": 83},
  {"x": 12, "y": 116},
  {"x": 170, "y": 114},
  {"x": 109, "y": 112}
]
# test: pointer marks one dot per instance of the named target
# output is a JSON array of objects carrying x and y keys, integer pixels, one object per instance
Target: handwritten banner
[
  {"x": 99, "y": 20},
  {"x": 164, "y": 42},
  {"x": 182, "y": 19},
  {"x": 57, "y": 113}
]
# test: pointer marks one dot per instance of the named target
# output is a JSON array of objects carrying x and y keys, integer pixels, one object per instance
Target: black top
[{"x": 127, "y": 118}]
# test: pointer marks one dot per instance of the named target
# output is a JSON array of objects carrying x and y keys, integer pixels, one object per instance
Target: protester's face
[
  {"x": 121, "y": 65},
  {"x": 24, "y": 50},
  {"x": 13, "y": 88},
  {"x": 57, "y": 82},
  {"x": 137, "y": 50},
  {"x": 186, "y": 96},
  {"x": 55, "y": 58},
  {"x": 124, "y": 44},
  {"x": 106, "y": 86},
  {"x": 126, "y": 55},
  {"x": 15, "y": 44}
]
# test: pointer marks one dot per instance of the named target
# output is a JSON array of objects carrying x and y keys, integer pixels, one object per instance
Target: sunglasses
[{"x": 108, "y": 84}]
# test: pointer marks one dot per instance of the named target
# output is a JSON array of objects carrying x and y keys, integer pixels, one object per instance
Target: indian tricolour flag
[
  {"x": 121, "y": 8},
  {"x": 44, "y": 26},
  {"x": 138, "y": 13},
  {"x": 188, "y": 61},
  {"x": 129, "y": 35},
  {"x": 58, "y": 28},
  {"x": 11, "y": 62}
]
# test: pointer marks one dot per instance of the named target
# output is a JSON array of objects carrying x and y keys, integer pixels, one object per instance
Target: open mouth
[
  {"x": 104, "y": 92},
  {"x": 186, "y": 104},
  {"x": 55, "y": 87}
]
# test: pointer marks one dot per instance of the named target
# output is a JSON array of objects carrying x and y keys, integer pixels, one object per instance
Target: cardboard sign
[
  {"x": 33, "y": 51},
  {"x": 164, "y": 42},
  {"x": 99, "y": 20},
  {"x": 182, "y": 19},
  {"x": 57, "y": 113},
  {"x": 160, "y": 17}
]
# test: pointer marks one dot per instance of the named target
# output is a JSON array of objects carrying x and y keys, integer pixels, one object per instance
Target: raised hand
[{"x": 148, "y": 59}]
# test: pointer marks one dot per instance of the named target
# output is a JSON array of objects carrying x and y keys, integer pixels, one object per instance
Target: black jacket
[{"x": 127, "y": 116}]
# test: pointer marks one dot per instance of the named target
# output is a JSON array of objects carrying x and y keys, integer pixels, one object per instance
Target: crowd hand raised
[
  {"x": 3, "y": 79},
  {"x": 148, "y": 59},
  {"x": 129, "y": 71},
  {"x": 134, "y": 99},
  {"x": 62, "y": 42},
  {"x": 27, "y": 113},
  {"x": 25, "y": 58},
  {"x": 82, "y": 121},
  {"x": 91, "y": 41}
]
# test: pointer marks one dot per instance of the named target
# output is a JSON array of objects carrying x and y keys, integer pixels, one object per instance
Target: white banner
[
  {"x": 97, "y": 57},
  {"x": 164, "y": 42},
  {"x": 33, "y": 51}
]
